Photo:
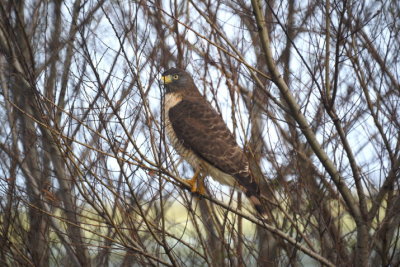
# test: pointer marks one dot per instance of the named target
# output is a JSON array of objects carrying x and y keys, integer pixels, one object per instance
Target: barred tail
[
  {"x": 257, "y": 204},
  {"x": 252, "y": 191}
]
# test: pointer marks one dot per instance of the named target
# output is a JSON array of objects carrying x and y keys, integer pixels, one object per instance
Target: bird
[{"x": 201, "y": 137}]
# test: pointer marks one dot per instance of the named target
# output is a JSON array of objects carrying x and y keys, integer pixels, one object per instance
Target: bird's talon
[
  {"x": 193, "y": 185},
  {"x": 197, "y": 184},
  {"x": 201, "y": 190},
  {"x": 193, "y": 189}
]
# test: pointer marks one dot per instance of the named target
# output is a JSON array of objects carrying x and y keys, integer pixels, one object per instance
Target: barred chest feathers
[{"x": 172, "y": 99}]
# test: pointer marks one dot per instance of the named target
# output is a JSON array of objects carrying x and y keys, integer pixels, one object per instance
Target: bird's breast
[{"x": 171, "y": 100}]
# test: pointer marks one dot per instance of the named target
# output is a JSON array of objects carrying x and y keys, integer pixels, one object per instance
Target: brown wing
[{"x": 200, "y": 128}]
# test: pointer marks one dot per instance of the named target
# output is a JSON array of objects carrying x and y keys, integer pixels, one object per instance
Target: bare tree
[{"x": 309, "y": 89}]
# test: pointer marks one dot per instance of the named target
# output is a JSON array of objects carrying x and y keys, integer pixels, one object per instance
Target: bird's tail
[
  {"x": 258, "y": 204},
  {"x": 252, "y": 191}
]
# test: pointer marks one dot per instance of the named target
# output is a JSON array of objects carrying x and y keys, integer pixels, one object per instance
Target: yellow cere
[{"x": 166, "y": 79}]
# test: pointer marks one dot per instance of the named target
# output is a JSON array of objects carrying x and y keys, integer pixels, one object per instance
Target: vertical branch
[
  {"x": 298, "y": 116},
  {"x": 327, "y": 51},
  {"x": 362, "y": 234}
]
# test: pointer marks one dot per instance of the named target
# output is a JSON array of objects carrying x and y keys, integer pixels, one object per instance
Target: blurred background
[{"x": 310, "y": 89}]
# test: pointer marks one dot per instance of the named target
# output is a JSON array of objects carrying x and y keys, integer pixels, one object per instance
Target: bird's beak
[{"x": 166, "y": 79}]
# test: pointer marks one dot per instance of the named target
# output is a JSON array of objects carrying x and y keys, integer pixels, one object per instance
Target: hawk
[{"x": 199, "y": 135}]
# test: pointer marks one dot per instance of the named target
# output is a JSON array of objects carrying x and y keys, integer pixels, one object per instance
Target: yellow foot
[{"x": 197, "y": 184}]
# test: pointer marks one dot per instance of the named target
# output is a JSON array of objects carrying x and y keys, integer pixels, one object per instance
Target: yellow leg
[{"x": 197, "y": 183}]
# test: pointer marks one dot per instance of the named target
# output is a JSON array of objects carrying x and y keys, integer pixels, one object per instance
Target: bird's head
[{"x": 178, "y": 80}]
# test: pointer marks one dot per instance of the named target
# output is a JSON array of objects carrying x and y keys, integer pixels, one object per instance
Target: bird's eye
[{"x": 175, "y": 77}]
